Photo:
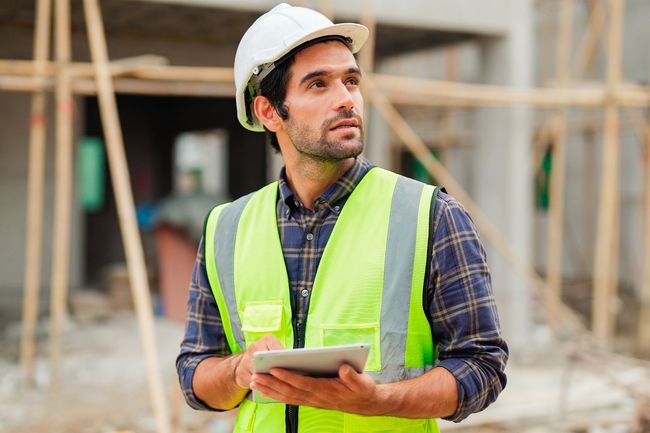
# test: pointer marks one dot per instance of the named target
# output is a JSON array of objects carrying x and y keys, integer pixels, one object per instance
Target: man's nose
[{"x": 344, "y": 97}]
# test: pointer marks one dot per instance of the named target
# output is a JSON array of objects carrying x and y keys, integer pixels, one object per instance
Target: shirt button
[
  {"x": 310, "y": 237},
  {"x": 287, "y": 213},
  {"x": 337, "y": 209},
  {"x": 304, "y": 293}
]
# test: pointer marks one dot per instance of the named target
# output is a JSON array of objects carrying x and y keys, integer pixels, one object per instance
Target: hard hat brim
[{"x": 357, "y": 33}]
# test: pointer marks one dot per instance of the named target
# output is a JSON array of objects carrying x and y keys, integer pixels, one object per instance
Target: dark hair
[
  {"x": 274, "y": 88},
  {"x": 274, "y": 85}
]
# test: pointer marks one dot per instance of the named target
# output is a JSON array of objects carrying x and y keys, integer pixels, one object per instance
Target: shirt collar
[{"x": 335, "y": 192}]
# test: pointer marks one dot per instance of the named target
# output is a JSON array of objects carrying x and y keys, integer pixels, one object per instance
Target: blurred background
[{"x": 535, "y": 114}]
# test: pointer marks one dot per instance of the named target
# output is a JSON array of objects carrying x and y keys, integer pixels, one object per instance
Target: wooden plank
[
  {"x": 126, "y": 211},
  {"x": 87, "y": 86},
  {"x": 418, "y": 91},
  {"x": 145, "y": 71},
  {"x": 399, "y": 89},
  {"x": 64, "y": 168},
  {"x": 604, "y": 281},
  {"x": 35, "y": 180}
]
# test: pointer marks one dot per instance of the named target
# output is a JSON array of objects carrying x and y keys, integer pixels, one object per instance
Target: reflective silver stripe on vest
[
  {"x": 396, "y": 373},
  {"x": 224, "y": 253},
  {"x": 398, "y": 273}
]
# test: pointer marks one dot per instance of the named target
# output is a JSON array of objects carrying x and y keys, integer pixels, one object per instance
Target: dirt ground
[{"x": 104, "y": 389}]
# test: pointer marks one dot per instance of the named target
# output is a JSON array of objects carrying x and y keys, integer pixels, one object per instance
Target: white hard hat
[{"x": 273, "y": 35}]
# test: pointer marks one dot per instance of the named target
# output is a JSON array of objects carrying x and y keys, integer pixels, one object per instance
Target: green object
[
  {"x": 91, "y": 177},
  {"x": 420, "y": 172},
  {"x": 367, "y": 289},
  {"x": 543, "y": 181}
]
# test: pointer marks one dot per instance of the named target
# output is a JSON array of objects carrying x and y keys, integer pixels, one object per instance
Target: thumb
[
  {"x": 349, "y": 376},
  {"x": 272, "y": 342}
]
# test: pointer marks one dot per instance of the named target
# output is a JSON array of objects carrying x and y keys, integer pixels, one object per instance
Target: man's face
[{"x": 324, "y": 102}]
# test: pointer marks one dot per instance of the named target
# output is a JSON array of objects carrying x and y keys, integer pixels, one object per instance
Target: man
[{"x": 335, "y": 252}]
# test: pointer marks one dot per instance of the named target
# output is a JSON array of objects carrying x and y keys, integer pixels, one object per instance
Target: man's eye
[
  {"x": 352, "y": 81},
  {"x": 317, "y": 84}
]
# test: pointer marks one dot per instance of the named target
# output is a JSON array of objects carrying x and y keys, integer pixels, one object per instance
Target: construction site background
[{"x": 534, "y": 114}]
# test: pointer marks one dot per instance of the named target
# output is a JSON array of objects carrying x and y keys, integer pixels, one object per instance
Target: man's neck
[{"x": 309, "y": 178}]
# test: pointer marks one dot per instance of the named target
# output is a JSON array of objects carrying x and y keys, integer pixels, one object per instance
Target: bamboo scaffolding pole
[
  {"x": 399, "y": 89},
  {"x": 367, "y": 55},
  {"x": 63, "y": 192},
  {"x": 565, "y": 323},
  {"x": 556, "y": 319},
  {"x": 35, "y": 181},
  {"x": 446, "y": 123},
  {"x": 604, "y": 281},
  {"x": 643, "y": 339},
  {"x": 148, "y": 87},
  {"x": 325, "y": 8},
  {"x": 126, "y": 211},
  {"x": 542, "y": 137},
  {"x": 127, "y": 69},
  {"x": 87, "y": 86},
  {"x": 547, "y": 32},
  {"x": 558, "y": 173},
  {"x": 589, "y": 44},
  {"x": 417, "y": 91},
  {"x": 585, "y": 63}
]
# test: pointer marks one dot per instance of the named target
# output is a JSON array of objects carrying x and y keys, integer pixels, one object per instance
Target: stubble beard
[{"x": 322, "y": 148}]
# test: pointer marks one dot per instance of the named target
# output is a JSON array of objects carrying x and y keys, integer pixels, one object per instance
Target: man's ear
[{"x": 266, "y": 113}]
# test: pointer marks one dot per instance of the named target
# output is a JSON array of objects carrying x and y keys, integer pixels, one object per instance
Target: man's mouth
[{"x": 345, "y": 124}]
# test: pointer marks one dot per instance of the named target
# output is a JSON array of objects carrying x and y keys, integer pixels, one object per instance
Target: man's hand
[
  {"x": 350, "y": 392},
  {"x": 244, "y": 369},
  {"x": 222, "y": 383}
]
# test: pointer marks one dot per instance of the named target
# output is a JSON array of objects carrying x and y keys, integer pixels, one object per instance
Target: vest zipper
[{"x": 291, "y": 414}]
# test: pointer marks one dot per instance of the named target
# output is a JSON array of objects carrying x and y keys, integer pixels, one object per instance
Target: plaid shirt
[{"x": 462, "y": 308}]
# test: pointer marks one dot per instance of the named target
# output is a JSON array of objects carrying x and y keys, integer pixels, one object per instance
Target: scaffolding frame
[{"x": 103, "y": 78}]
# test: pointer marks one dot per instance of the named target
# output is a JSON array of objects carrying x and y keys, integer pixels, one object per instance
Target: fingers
[
  {"x": 270, "y": 391},
  {"x": 271, "y": 342},
  {"x": 243, "y": 372},
  {"x": 270, "y": 382},
  {"x": 244, "y": 369},
  {"x": 267, "y": 342}
]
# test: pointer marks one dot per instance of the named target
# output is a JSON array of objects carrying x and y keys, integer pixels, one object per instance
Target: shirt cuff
[
  {"x": 187, "y": 376},
  {"x": 458, "y": 369}
]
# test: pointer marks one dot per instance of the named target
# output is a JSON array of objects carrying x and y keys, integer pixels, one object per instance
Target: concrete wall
[
  {"x": 493, "y": 162},
  {"x": 483, "y": 17}
]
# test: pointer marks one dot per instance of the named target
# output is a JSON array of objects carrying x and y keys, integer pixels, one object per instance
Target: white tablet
[{"x": 316, "y": 362}]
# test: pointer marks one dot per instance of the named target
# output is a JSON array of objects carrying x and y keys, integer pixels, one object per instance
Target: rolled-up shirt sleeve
[
  {"x": 204, "y": 334},
  {"x": 463, "y": 311}
]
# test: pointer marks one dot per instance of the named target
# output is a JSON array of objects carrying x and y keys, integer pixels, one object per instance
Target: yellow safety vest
[{"x": 368, "y": 289}]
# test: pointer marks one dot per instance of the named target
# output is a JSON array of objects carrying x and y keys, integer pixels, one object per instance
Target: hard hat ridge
[{"x": 272, "y": 38}]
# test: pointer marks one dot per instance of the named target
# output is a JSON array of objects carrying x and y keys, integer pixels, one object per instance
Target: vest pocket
[
  {"x": 382, "y": 424},
  {"x": 357, "y": 333},
  {"x": 261, "y": 318}
]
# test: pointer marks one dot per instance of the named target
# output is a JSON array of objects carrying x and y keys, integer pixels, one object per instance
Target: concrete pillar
[
  {"x": 503, "y": 168},
  {"x": 377, "y": 135}
]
